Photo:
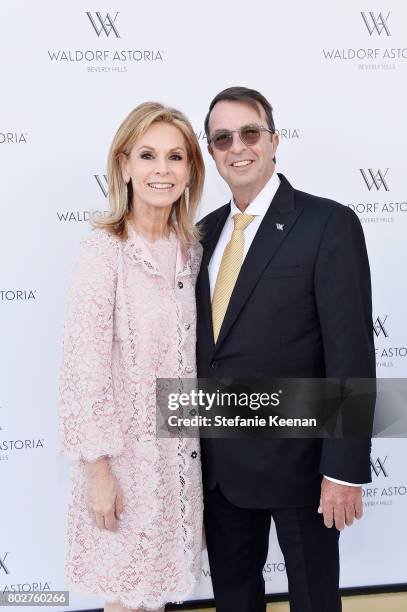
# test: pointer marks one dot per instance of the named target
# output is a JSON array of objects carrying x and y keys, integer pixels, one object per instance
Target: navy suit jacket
[{"x": 301, "y": 307}]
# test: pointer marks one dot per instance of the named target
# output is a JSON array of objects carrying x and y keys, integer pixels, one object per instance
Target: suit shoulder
[
  {"x": 325, "y": 207},
  {"x": 317, "y": 202},
  {"x": 330, "y": 217}
]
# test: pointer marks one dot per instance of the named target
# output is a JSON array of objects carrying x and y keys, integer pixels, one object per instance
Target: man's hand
[{"x": 340, "y": 504}]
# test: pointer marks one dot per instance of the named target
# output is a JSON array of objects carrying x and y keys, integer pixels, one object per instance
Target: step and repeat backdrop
[{"x": 336, "y": 75}]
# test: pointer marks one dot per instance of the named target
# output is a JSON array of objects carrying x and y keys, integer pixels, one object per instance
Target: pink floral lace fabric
[{"x": 126, "y": 324}]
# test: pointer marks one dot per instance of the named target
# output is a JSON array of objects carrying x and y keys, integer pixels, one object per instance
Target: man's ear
[
  {"x": 276, "y": 141},
  {"x": 123, "y": 161}
]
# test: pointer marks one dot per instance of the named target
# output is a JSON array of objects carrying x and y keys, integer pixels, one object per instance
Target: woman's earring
[{"x": 186, "y": 196}]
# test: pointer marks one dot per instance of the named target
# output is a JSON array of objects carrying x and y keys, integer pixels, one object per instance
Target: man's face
[{"x": 245, "y": 168}]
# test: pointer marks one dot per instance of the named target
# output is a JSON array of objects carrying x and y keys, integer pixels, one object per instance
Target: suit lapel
[
  {"x": 275, "y": 227},
  {"x": 209, "y": 241},
  {"x": 211, "y": 236}
]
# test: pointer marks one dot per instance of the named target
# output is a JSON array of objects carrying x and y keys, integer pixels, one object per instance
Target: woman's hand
[{"x": 104, "y": 497}]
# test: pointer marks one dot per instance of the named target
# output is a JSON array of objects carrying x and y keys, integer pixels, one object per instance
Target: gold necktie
[{"x": 229, "y": 269}]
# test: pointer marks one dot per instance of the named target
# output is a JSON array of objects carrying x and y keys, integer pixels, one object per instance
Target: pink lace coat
[{"x": 125, "y": 326}]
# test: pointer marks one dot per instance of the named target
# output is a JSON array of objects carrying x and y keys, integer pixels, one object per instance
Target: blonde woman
[{"x": 135, "y": 508}]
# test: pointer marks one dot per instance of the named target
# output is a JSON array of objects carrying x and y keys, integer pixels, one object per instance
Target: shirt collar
[{"x": 262, "y": 201}]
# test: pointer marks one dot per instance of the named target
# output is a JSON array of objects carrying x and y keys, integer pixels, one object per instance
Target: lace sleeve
[
  {"x": 196, "y": 257},
  {"x": 89, "y": 425}
]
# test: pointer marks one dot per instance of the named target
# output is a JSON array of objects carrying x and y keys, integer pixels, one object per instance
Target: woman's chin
[
  {"x": 162, "y": 204},
  {"x": 161, "y": 201}
]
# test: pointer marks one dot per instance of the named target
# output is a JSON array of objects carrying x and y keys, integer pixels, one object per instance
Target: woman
[{"x": 135, "y": 509}]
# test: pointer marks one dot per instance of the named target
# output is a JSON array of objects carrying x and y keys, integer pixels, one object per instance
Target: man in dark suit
[{"x": 284, "y": 291}]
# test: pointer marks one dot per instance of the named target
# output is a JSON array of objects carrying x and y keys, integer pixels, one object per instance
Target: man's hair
[{"x": 242, "y": 94}]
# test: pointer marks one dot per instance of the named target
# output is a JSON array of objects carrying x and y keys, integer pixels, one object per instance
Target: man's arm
[{"x": 343, "y": 296}]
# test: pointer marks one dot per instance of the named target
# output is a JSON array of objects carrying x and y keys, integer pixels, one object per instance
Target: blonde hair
[{"x": 120, "y": 194}]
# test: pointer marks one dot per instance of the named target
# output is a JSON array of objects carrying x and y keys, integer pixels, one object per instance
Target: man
[{"x": 284, "y": 291}]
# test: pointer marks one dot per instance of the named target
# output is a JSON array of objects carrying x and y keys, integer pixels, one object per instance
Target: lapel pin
[{"x": 280, "y": 226}]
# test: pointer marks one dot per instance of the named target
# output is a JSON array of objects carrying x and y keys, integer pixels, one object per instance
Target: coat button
[
  {"x": 214, "y": 365},
  {"x": 189, "y": 368},
  {"x": 194, "y": 454},
  {"x": 187, "y": 326},
  {"x": 180, "y": 284}
]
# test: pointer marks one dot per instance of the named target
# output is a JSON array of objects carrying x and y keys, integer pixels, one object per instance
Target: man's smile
[{"x": 242, "y": 163}]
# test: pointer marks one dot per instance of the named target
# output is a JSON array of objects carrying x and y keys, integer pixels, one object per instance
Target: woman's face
[{"x": 157, "y": 166}]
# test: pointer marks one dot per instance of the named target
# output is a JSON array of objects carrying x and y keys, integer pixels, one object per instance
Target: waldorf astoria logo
[
  {"x": 376, "y": 23},
  {"x": 384, "y": 496},
  {"x": 387, "y": 354},
  {"x": 271, "y": 569},
  {"x": 18, "y": 445},
  {"x": 3, "y": 567},
  {"x": 380, "y": 493},
  {"x": 101, "y": 185},
  {"x": 21, "y": 295},
  {"x": 375, "y": 27},
  {"x": 377, "y": 466},
  {"x": 13, "y": 137},
  {"x": 101, "y": 180},
  {"x": 288, "y": 133},
  {"x": 104, "y": 23},
  {"x": 105, "y": 28},
  {"x": 376, "y": 182},
  {"x": 9, "y": 445},
  {"x": 201, "y": 136},
  {"x": 77, "y": 215},
  {"x": 379, "y": 328},
  {"x": 375, "y": 178},
  {"x": 26, "y": 587}
]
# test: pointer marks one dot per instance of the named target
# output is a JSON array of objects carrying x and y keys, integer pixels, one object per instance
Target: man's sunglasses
[{"x": 248, "y": 134}]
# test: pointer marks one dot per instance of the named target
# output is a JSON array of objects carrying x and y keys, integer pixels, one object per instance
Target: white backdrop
[{"x": 336, "y": 75}]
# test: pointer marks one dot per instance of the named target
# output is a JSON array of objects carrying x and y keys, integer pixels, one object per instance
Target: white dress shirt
[{"x": 258, "y": 207}]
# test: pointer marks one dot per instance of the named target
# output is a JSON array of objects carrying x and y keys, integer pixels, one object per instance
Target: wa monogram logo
[
  {"x": 105, "y": 24},
  {"x": 3, "y": 566},
  {"x": 375, "y": 179},
  {"x": 378, "y": 468},
  {"x": 379, "y": 328},
  {"x": 376, "y": 23},
  {"x": 385, "y": 352},
  {"x": 101, "y": 180}
]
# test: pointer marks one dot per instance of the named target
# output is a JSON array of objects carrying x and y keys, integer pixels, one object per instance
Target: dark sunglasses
[{"x": 248, "y": 134}]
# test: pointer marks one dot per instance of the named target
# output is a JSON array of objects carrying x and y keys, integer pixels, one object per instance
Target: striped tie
[{"x": 229, "y": 269}]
